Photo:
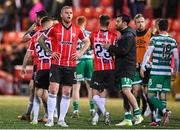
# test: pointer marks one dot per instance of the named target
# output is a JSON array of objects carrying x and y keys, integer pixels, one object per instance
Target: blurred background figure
[{"x": 37, "y": 6}]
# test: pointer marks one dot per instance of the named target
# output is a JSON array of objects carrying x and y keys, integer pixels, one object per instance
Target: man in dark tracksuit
[{"x": 125, "y": 53}]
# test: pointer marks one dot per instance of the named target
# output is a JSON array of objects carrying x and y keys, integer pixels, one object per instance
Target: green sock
[
  {"x": 128, "y": 116},
  {"x": 92, "y": 104},
  {"x": 159, "y": 116},
  {"x": 75, "y": 105},
  {"x": 157, "y": 103},
  {"x": 138, "y": 100},
  {"x": 137, "y": 112}
]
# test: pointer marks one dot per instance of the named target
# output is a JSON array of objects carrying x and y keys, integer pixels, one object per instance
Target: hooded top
[{"x": 125, "y": 53}]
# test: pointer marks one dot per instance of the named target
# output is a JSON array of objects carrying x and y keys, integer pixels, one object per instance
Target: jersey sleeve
[
  {"x": 31, "y": 46},
  {"x": 152, "y": 42},
  {"x": 81, "y": 35},
  {"x": 50, "y": 32},
  {"x": 32, "y": 33}
]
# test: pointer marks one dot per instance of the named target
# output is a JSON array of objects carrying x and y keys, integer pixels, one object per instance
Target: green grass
[{"x": 12, "y": 106}]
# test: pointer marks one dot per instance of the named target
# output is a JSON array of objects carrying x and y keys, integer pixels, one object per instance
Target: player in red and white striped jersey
[
  {"x": 43, "y": 66},
  {"x": 103, "y": 76},
  {"x": 26, "y": 38},
  {"x": 62, "y": 69}
]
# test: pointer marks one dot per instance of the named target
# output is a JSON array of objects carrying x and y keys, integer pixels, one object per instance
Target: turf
[{"x": 12, "y": 106}]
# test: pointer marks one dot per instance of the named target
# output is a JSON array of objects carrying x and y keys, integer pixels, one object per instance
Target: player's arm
[
  {"x": 85, "y": 47},
  {"x": 86, "y": 41},
  {"x": 176, "y": 59},
  {"x": 28, "y": 34},
  {"x": 42, "y": 43},
  {"x": 121, "y": 48},
  {"x": 30, "y": 29},
  {"x": 27, "y": 56},
  {"x": 147, "y": 56}
]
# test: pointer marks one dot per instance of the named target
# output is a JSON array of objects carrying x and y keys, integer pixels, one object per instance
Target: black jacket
[{"x": 125, "y": 53}]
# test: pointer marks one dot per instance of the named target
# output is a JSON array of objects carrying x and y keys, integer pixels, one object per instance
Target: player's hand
[
  {"x": 77, "y": 55},
  {"x": 55, "y": 55},
  {"x": 106, "y": 46},
  {"x": 142, "y": 72},
  {"x": 23, "y": 72}
]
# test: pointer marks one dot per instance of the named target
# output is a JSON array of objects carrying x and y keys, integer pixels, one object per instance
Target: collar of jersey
[
  {"x": 65, "y": 26},
  {"x": 103, "y": 30}
]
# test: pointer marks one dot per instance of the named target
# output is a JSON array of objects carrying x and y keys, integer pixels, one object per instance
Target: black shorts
[
  {"x": 34, "y": 72},
  {"x": 42, "y": 79},
  {"x": 102, "y": 80},
  {"x": 145, "y": 80},
  {"x": 63, "y": 75}
]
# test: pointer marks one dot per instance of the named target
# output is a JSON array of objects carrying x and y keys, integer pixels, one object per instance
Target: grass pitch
[{"x": 12, "y": 106}]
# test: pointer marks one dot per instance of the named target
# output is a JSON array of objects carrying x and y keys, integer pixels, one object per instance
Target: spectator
[
  {"x": 118, "y": 7},
  {"x": 136, "y": 7},
  {"x": 37, "y": 6},
  {"x": 172, "y": 8},
  {"x": 3, "y": 21},
  {"x": 6, "y": 65},
  {"x": 157, "y": 6}
]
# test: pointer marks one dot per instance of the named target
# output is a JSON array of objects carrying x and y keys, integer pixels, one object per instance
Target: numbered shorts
[
  {"x": 42, "y": 79},
  {"x": 63, "y": 75},
  {"x": 159, "y": 83},
  {"x": 103, "y": 79},
  {"x": 84, "y": 70},
  {"x": 137, "y": 78},
  {"x": 125, "y": 82}
]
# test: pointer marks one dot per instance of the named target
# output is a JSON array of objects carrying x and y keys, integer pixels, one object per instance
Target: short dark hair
[
  {"x": 104, "y": 20},
  {"x": 46, "y": 19},
  {"x": 41, "y": 13},
  {"x": 163, "y": 25},
  {"x": 125, "y": 18}
]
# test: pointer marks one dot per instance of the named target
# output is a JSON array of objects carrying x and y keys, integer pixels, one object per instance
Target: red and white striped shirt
[
  {"x": 102, "y": 58},
  {"x": 44, "y": 59},
  {"x": 66, "y": 39},
  {"x": 31, "y": 34}
]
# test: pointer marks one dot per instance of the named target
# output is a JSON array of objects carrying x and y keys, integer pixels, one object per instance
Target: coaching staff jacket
[{"x": 125, "y": 52}]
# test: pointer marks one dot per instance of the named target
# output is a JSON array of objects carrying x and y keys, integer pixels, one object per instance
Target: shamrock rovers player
[
  {"x": 84, "y": 71},
  {"x": 162, "y": 47}
]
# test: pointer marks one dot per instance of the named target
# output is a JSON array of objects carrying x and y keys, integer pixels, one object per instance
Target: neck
[
  {"x": 66, "y": 24},
  {"x": 123, "y": 28},
  {"x": 163, "y": 32},
  {"x": 141, "y": 30},
  {"x": 103, "y": 28},
  {"x": 45, "y": 28}
]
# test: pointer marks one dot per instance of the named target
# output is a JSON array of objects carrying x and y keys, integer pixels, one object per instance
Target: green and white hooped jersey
[
  {"x": 88, "y": 53},
  {"x": 162, "y": 54}
]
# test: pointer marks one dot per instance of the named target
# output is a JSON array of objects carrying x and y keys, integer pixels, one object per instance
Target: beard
[{"x": 118, "y": 28}]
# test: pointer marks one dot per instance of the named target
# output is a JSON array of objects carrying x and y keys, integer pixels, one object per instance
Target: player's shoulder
[
  {"x": 75, "y": 26},
  {"x": 112, "y": 33},
  {"x": 36, "y": 34},
  {"x": 56, "y": 26},
  {"x": 171, "y": 39},
  {"x": 94, "y": 32}
]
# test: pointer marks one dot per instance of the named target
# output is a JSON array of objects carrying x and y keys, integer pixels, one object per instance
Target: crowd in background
[{"x": 18, "y": 15}]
